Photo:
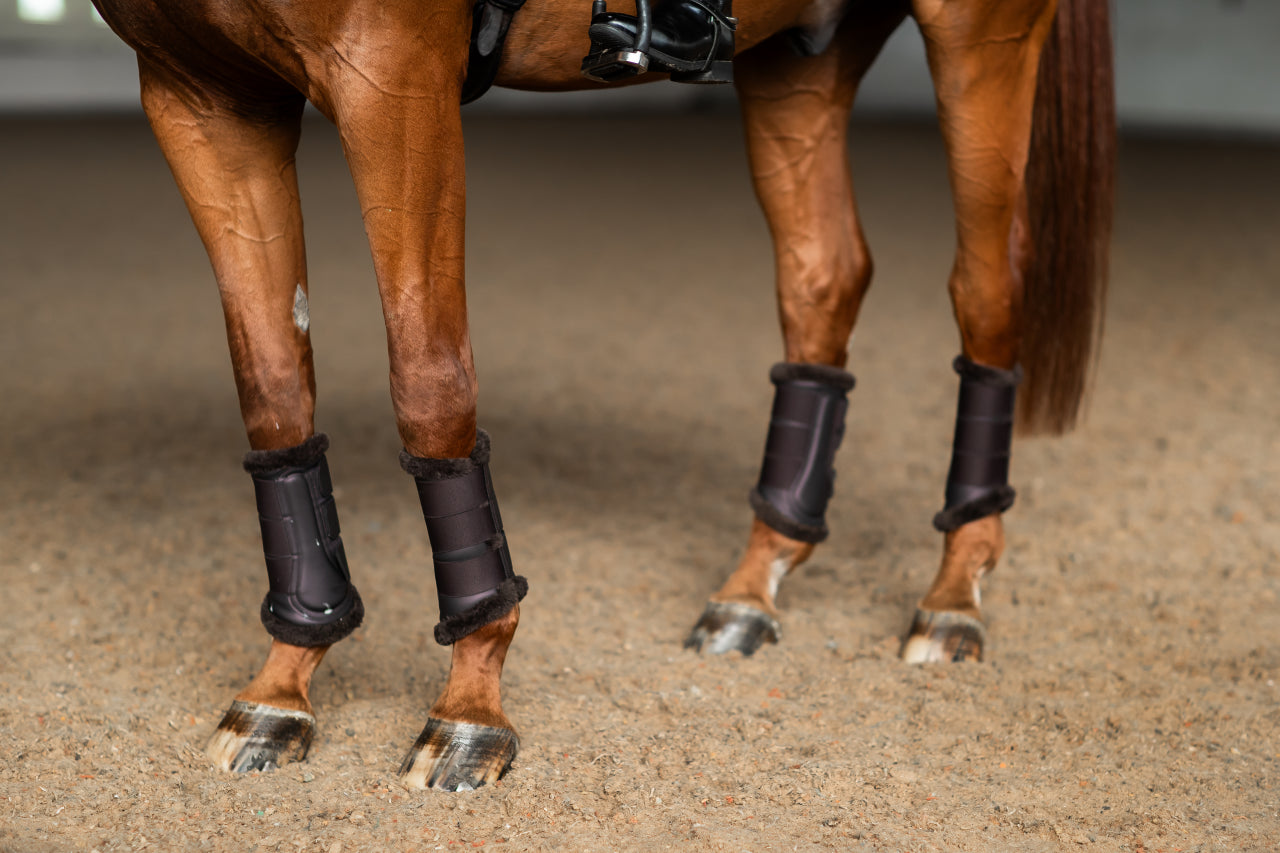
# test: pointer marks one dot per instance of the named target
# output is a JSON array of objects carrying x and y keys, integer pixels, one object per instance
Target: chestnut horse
[{"x": 1024, "y": 96}]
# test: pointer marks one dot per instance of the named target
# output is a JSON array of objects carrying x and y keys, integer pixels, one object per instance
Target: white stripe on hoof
[
  {"x": 260, "y": 737},
  {"x": 941, "y": 636},
  {"x": 728, "y": 626},
  {"x": 454, "y": 756}
]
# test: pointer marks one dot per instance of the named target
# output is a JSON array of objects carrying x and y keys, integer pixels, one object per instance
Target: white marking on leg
[
  {"x": 301, "y": 310},
  {"x": 777, "y": 571}
]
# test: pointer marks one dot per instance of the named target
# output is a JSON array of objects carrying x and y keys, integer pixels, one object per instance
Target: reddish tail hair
[{"x": 1070, "y": 191}]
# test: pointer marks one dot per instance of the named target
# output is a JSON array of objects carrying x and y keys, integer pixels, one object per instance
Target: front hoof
[
  {"x": 939, "y": 636},
  {"x": 453, "y": 756},
  {"x": 260, "y": 737},
  {"x": 728, "y": 626}
]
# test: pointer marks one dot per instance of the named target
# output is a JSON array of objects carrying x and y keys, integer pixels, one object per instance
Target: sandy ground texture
[{"x": 624, "y": 328}]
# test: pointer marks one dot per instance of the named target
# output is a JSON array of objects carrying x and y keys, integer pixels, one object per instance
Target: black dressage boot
[{"x": 692, "y": 40}]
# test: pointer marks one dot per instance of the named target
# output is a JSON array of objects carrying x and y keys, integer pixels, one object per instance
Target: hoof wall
[
  {"x": 259, "y": 737},
  {"x": 727, "y": 626},
  {"x": 940, "y": 636},
  {"x": 453, "y": 756}
]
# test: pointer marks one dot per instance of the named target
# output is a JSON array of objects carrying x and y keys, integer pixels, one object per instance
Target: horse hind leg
[
  {"x": 237, "y": 177},
  {"x": 796, "y": 111},
  {"x": 984, "y": 59}
]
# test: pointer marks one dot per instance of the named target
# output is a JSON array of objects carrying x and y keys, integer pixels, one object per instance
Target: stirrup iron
[
  {"x": 678, "y": 42},
  {"x": 606, "y": 64}
]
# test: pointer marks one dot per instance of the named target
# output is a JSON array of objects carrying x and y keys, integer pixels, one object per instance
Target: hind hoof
[
  {"x": 260, "y": 737},
  {"x": 728, "y": 626},
  {"x": 939, "y": 636},
  {"x": 453, "y": 756}
]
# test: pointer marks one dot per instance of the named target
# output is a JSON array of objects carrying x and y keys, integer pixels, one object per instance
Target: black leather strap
[
  {"x": 468, "y": 545},
  {"x": 490, "y": 20},
  {"x": 717, "y": 10},
  {"x": 311, "y": 600},
  {"x": 978, "y": 480},
  {"x": 806, "y": 427}
]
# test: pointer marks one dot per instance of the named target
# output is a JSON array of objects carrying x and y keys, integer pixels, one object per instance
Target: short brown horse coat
[{"x": 224, "y": 85}]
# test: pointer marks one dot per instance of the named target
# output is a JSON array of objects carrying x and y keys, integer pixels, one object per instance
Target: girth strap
[{"x": 490, "y": 20}]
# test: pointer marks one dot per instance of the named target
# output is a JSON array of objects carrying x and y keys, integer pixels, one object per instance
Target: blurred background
[{"x": 1181, "y": 64}]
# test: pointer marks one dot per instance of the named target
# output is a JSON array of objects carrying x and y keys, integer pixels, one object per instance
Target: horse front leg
[
  {"x": 984, "y": 59},
  {"x": 796, "y": 112},
  {"x": 400, "y": 125},
  {"x": 234, "y": 166}
]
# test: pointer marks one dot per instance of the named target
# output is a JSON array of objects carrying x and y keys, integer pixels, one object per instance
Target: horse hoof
[
  {"x": 939, "y": 635},
  {"x": 453, "y": 756},
  {"x": 260, "y": 737},
  {"x": 728, "y": 626}
]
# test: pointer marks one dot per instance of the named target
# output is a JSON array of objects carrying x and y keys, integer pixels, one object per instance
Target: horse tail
[{"x": 1070, "y": 192}]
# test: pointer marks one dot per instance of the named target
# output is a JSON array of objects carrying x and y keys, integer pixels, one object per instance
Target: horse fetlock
[
  {"x": 742, "y": 615},
  {"x": 472, "y": 696},
  {"x": 976, "y": 548},
  {"x": 476, "y": 670},
  {"x": 971, "y": 552},
  {"x": 770, "y": 557}
]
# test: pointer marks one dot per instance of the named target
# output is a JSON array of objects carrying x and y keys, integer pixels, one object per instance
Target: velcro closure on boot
[{"x": 475, "y": 583}]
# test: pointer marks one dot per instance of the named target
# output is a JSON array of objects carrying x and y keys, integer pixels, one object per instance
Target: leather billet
[
  {"x": 806, "y": 426},
  {"x": 978, "y": 479},
  {"x": 311, "y": 601},
  {"x": 475, "y": 583}
]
